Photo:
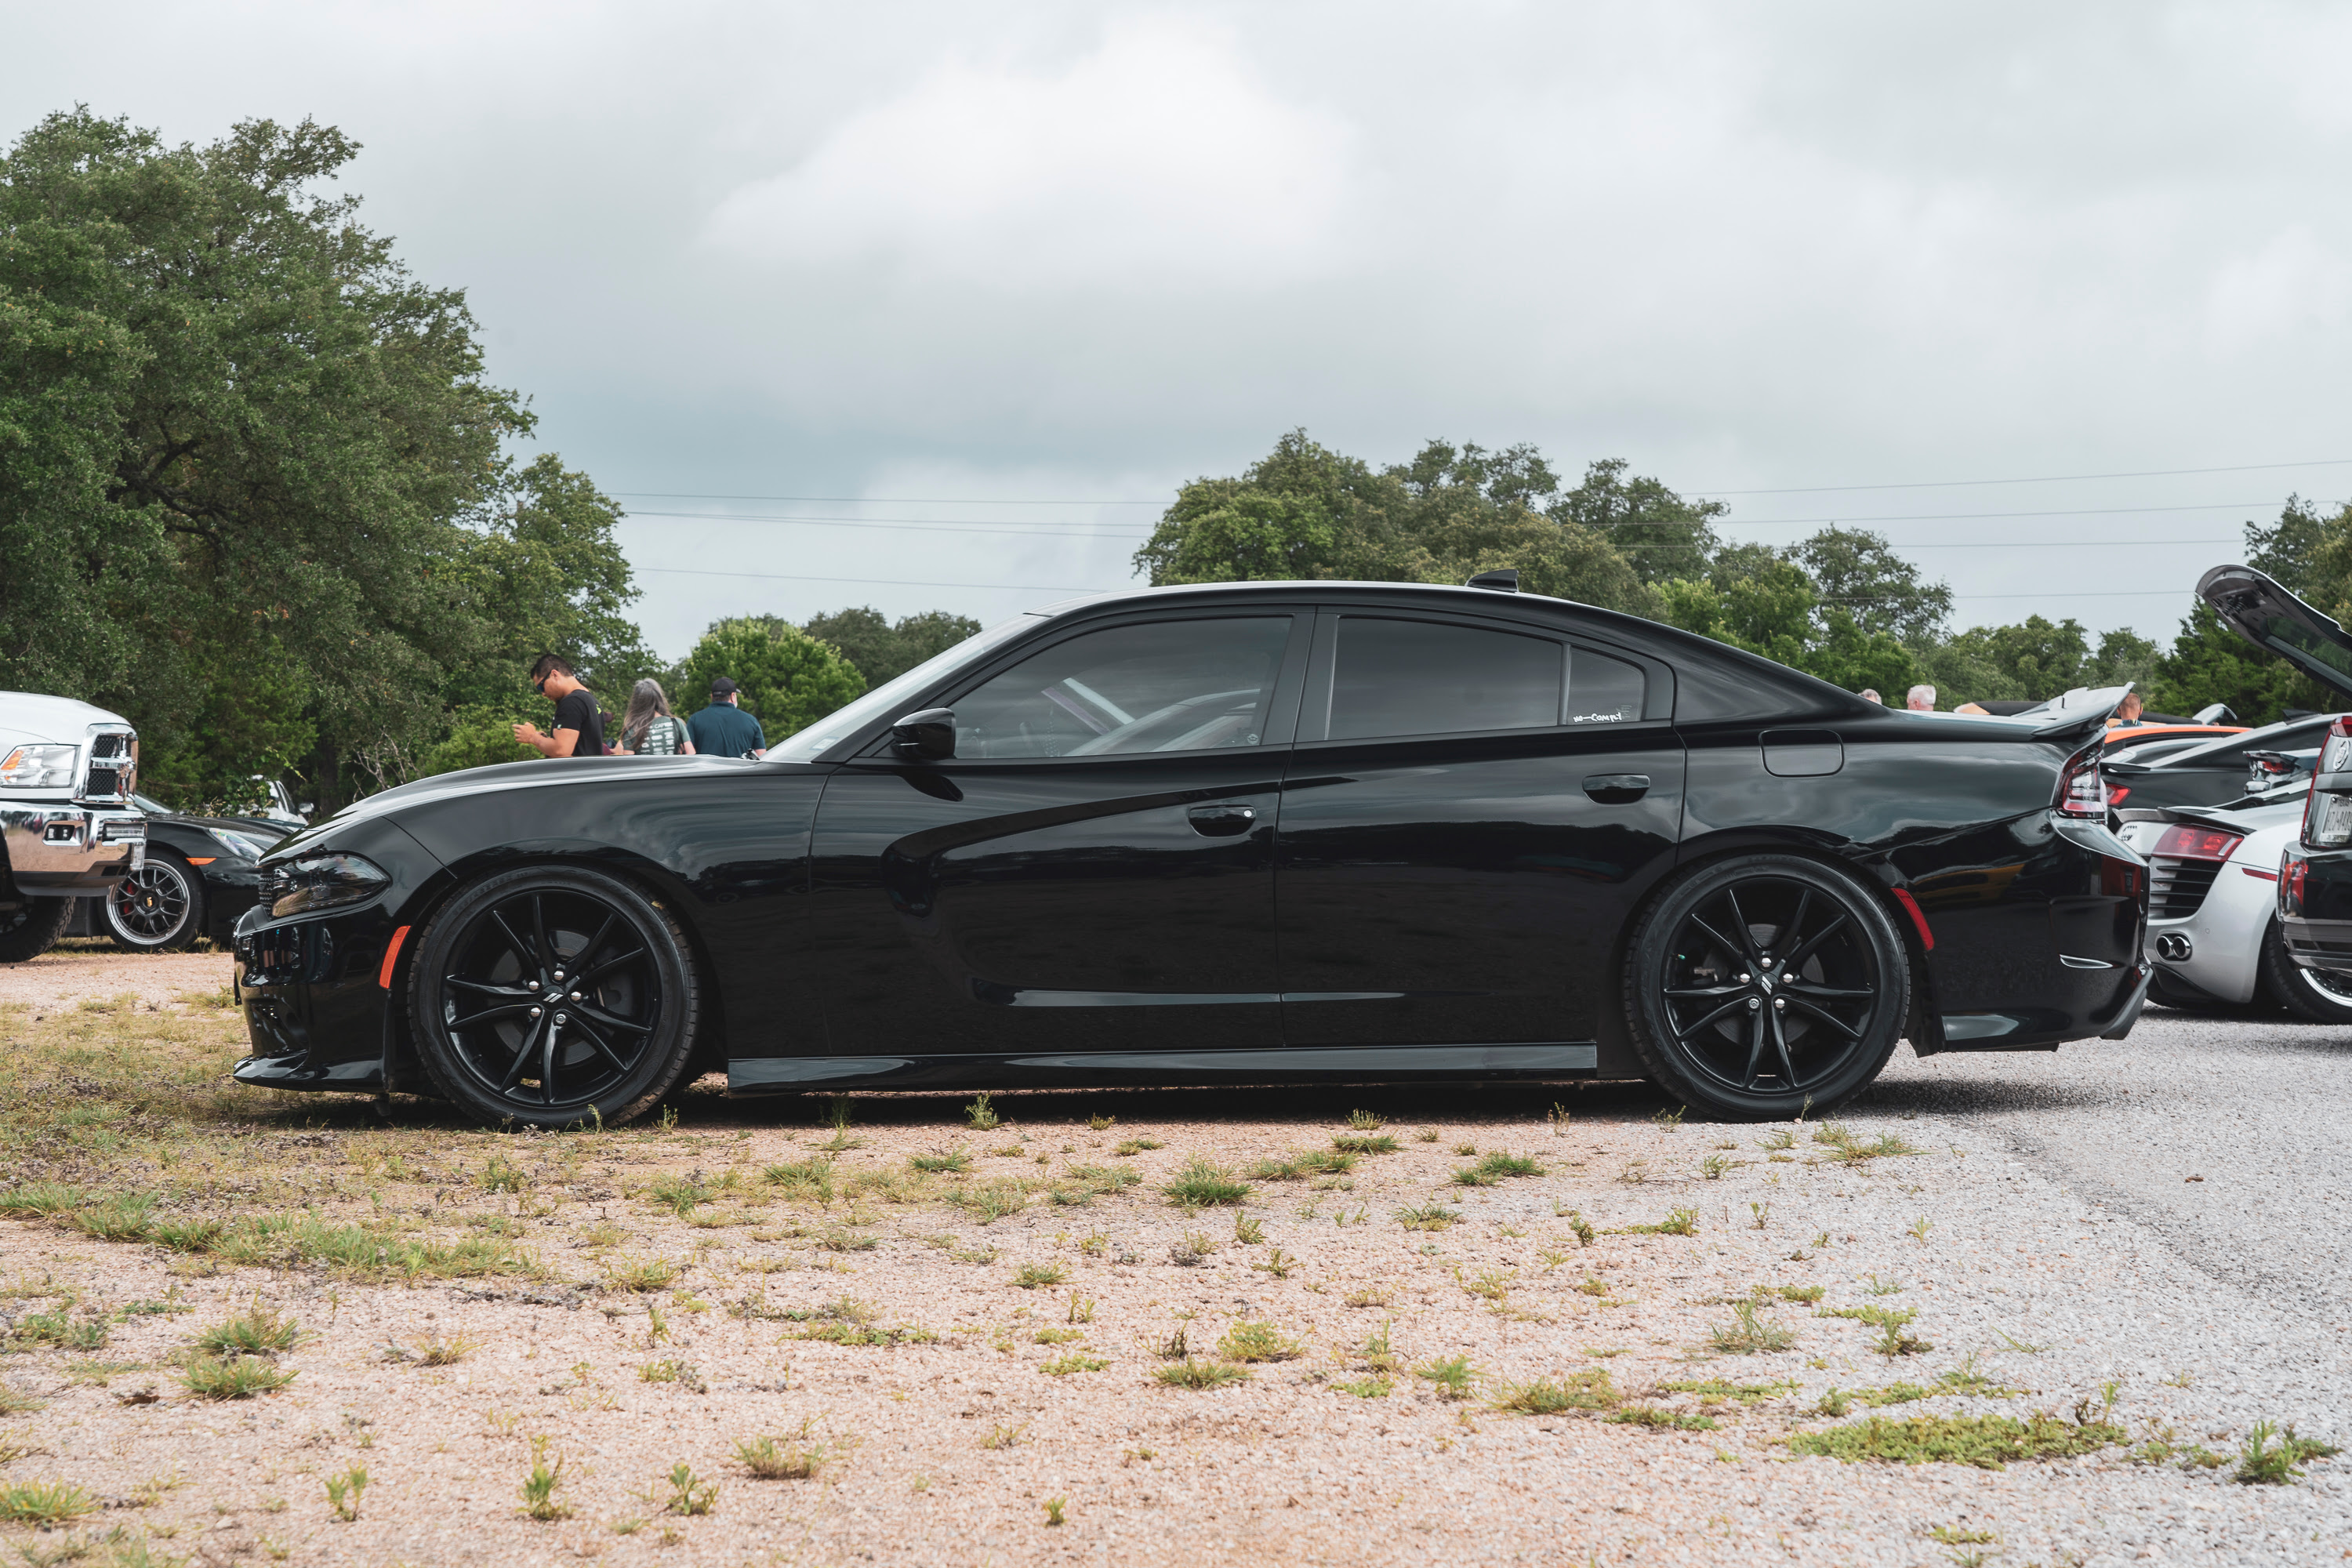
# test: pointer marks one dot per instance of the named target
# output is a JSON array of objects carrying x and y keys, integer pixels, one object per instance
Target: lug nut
[
  {"x": 1780, "y": 1001},
  {"x": 1753, "y": 1004},
  {"x": 576, "y": 996},
  {"x": 562, "y": 1019},
  {"x": 535, "y": 1011},
  {"x": 531, "y": 984}
]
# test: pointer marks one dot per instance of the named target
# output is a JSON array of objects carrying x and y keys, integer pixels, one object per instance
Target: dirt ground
[{"x": 1541, "y": 1324}]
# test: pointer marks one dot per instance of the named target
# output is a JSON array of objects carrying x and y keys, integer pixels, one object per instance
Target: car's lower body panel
[{"x": 1082, "y": 1070}]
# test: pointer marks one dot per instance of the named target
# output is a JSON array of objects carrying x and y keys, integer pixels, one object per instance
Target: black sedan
[
  {"x": 1272, "y": 831},
  {"x": 200, "y": 874}
]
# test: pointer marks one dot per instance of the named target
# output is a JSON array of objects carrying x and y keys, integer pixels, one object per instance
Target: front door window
[{"x": 1170, "y": 686}]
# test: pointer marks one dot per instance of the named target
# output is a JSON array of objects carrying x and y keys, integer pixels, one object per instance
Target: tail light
[
  {"x": 2081, "y": 791},
  {"x": 2194, "y": 841},
  {"x": 2116, "y": 794},
  {"x": 2327, "y": 816},
  {"x": 2293, "y": 869}
]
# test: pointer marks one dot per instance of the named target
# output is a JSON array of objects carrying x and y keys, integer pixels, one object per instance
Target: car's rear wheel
[
  {"x": 552, "y": 995},
  {"x": 2321, "y": 995},
  {"x": 1760, "y": 985},
  {"x": 31, "y": 930},
  {"x": 159, "y": 907}
]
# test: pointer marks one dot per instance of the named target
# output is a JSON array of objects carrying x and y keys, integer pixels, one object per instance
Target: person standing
[
  {"x": 1920, "y": 699},
  {"x": 723, "y": 729},
  {"x": 579, "y": 733},
  {"x": 1870, "y": 694},
  {"x": 649, "y": 728}
]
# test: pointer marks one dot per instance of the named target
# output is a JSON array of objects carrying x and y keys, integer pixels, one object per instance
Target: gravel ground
[
  {"x": 2064, "y": 1247},
  {"x": 93, "y": 968}
]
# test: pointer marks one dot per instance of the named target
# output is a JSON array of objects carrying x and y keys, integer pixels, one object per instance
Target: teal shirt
[{"x": 723, "y": 729}]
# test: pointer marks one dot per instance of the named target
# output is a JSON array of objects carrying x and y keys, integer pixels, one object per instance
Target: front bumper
[
  {"x": 314, "y": 1008},
  {"x": 63, "y": 850}
]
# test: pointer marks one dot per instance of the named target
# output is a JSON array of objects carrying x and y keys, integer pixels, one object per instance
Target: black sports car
[
  {"x": 1267, "y": 831},
  {"x": 199, "y": 875}
]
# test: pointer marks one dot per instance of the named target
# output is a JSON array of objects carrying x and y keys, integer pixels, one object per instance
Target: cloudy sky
[{"x": 969, "y": 288}]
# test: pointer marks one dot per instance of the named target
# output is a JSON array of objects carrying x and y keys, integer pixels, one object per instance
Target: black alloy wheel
[
  {"x": 1763, "y": 985},
  {"x": 554, "y": 996},
  {"x": 159, "y": 907}
]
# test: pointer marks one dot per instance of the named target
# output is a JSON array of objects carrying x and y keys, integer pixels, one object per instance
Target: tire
[
  {"x": 1717, "y": 1021},
  {"x": 488, "y": 959},
  {"x": 160, "y": 908},
  {"x": 2316, "y": 995},
  {"x": 34, "y": 930}
]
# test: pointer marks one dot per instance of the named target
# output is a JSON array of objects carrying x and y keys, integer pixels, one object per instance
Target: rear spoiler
[{"x": 2078, "y": 729}]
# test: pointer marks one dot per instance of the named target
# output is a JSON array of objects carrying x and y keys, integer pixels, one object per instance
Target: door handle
[
  {"x": 1222, "y": 821},
  {"x": 1617, "y": 789}
]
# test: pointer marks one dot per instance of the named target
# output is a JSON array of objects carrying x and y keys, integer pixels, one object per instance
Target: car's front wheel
[
  {"x": 159, "y": 907},
  {"x": 1760, "y": 985},
  {"x": 2321, "y": 995},
  {"x": 33, "y": 929},
  {"x": 552, "y": 995}
]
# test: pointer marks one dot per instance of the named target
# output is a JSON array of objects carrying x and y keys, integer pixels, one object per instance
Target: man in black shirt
[{"x": 579, "y": 733}]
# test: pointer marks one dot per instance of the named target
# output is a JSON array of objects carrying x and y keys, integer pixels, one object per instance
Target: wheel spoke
[
  {"x": 489, "y": 988},
  {"x": 597, "y": 1040},
  {"x": 1685, "y": 1031},
  {"x": 1696, "y": 993},
  {"x": 1835, "y": 1022},
  {"x": 1755, "y": 1051},
  {"x": 603, "y": 1019},
  {"x": 1730, "y": 949},
  {"x": 515, "y": 1067},
  {"x": 547, "y": 1065},
  {"x": 1739, "y": 921},
  {"x": 546, "y": 954},
  {"x": 578, "y": 960},
  {"x": 521, "y": 950},
  {"x": 1816, "y": 940},
  {"x": 1826, "y": 993},
  {"x": 581, "y": 982},
  {"x": 487, "y": 1014},
  {"x": 1780, "y": 1044}
]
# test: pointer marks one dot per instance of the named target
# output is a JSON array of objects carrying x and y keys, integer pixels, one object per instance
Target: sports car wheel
[
  {"x": 2321, "y": 995},
  {"x": 158, "y": 908},
  {"x": 1763, "y": 985},
  {"x": 552, "y": 994}
]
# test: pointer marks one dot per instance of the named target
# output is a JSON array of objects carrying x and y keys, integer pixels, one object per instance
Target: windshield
[{"x": 885, "y": 700}]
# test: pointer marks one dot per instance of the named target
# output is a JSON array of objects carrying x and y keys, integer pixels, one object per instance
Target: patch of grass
[
  {"x": 1678, "y": 1222},
  {"x": 2271, "y": 1457},
  {"x": 1366, "y": 1121},
  {"x": 1103, "y": 1178},
  {"x": 1298, "y": 1167},
  {"x": 1248, "y": 1232},
  {"x": 58, "y": 1329},
  {"x": 688, "y": 1494},
  {"x": 1658, "y": 1415},
  {"x": 1453, "y": 1375},
  {"x": 1748, "y": 1334},
  {"x": 259, "y": 1331},
  {"x": 1072, "y": 1361},
  {"x": 677, "y": 1194},
  {"x": 1276, "y": 1262},
  {"x": 981, "y": 1116},
  {"x": 1003, "y": 1436},
  {"x": 1190, "y": 1373},
  {"x": 1987, "y": 1442},
  {"x": 539, "y": 1500},
  {"x": 241, "y": 1377},
  {"x": 1894, "y": 1337},
  {"x": 803, "y": 1179},
  {"x": 639, "y": 1273},
  {"x": 1850, "y": 1147},
  {"x": 956, "y": 1159},
  {"x": 840, "y": 1240},
  {"x": 1133, "y": 1146},
  {"x": 1427, "y": 1135},
  {"x": 1806, "y": 1294},
  {"x": 44, "y": 1503},
  {"x": 1431, "y": 1216},
  {"x": 1051, "y": 1336},
  {"x": 1491, "y": 1285},
  {"x": 1033, "y": 1275},
  {"x": 1373, "y": 1387},
  {"x": 1098, "y": 1123},
  {"x": 867, "y": 1334},
  {"x": 987, "y": 1202},
  {"x": 1364, "y": 1144},
  {"x": 1370, "y": 1296},
  {"x": 343, "y": 1492},
  {"x": 439, "y": 1352},
  {"x": 1193, "y": 1250},
  {"x": 672, "y": 1370},
  {"x": 1254, "y": 1340},
  {"x": 1589, "y": 1391},
  {"x": 503, "y": 1175},
  {"x": 1200, "y": 1185},
  {"x": 788, "y": 1458},
  {"x": 1714, "y": 1166},
  {"x": 1715, "y": 1391},
  {"x": 14, "y": 1402}
]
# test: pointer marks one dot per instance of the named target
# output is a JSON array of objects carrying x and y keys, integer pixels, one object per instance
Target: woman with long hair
[{"x": 649, "y": 728}]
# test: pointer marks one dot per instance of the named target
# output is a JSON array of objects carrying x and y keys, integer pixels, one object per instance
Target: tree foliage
[
  {"x": 254, "y": 489},
  {"x": 785, "y": 677},
  {"x": 881, "y": 651}
]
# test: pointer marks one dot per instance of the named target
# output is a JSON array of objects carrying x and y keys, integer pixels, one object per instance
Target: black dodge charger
[{"x": 1246, "y": 833}]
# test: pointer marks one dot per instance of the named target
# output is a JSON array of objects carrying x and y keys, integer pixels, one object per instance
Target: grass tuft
[
  {"x": 1200, "y": 1185},
  {"x": 1190, "y": 1373},
  {"x": 1747, "y": 1334},
  {"x": 1552, "y": 1396},
  {"x": 1431, "y": 1216},
  {"x": 256, "y": 1331},
  {"x": 1252, "y": 1340},
  {"x": 2263, "y": 1462},
  {"x": 241, "y": 1377},
  {"x": 1987, "y": 1442},
  {"x": 44, "y": 1503}
]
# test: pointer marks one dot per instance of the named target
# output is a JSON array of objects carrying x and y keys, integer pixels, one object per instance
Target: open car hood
[{"x": 2277, "y": 622}]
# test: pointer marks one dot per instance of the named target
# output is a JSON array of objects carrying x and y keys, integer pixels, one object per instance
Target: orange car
[{"x": 2132, "y": 734}]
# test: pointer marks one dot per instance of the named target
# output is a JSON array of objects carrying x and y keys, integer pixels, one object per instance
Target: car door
[
  {"x": 1469, "y": 808},
  {"x": 1091, "y": 871}
]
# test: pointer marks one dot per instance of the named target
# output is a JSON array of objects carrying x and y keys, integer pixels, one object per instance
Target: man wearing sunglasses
[{"x": 579, "y": 733}]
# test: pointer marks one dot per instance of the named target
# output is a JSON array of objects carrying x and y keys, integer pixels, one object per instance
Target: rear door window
[{"x": 1396, "y": 678}]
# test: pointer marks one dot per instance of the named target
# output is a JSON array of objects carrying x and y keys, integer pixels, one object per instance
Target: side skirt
[{"x": 1086, "y": 1069}]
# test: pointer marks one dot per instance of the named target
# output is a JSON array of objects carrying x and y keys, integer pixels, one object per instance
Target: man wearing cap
[{"x": 723, "y": 729}]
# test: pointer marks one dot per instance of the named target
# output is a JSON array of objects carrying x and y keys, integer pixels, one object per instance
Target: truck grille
[
  {"x": 2177, "y": 887},
  {"x": 113, "y": 768}
]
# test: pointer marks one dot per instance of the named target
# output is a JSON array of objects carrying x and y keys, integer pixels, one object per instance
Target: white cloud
[
  {"x": 1159, "y": 156},
  {"x": 2292, "y": 285}
]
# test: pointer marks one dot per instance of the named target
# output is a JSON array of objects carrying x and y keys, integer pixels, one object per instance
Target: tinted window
[
  {"x": 1425, "y": 678},
  {"x": 1173, "y": 686},
  {"x": 1601, "y": 690}
]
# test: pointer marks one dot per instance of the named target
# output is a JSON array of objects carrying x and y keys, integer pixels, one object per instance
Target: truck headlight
[
  {"x": 39, "y": 767},
  {"x": 315, "y": 882}
]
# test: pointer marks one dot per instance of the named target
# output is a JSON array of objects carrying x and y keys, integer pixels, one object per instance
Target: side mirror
[{"x": 925, "y": 737}]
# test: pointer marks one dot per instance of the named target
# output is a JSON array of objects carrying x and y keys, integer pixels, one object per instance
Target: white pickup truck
[{"x": 68, "y": 828}]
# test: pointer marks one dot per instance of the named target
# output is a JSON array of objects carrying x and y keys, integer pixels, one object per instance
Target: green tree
[
  {"x": 1664, "y": 536},
  {"x": 881, "y": 651},
  {"x": 2290, "y": 550},
  {"x": 222, "y": 398},
  {"x": 786, "y": 678},
  {"x": 2209, "y": 662},
  {"x": 1858, "y": 571},
  {"x": 480, "y": 735}
]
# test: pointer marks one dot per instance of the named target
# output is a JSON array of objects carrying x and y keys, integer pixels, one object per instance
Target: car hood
[
  {"x": 33, "y": 717},
  {"x": 549, "y": 773},
  {"x": 2272, "y": 618}
]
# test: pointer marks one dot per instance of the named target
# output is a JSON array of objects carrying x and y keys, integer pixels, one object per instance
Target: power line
[
  {"x": 1969, "y": 516},
  {"x": 895, "y": 524},
  {"x": 881, "y": 501},
  {"x": 885, "y": 581},
  {"x": 2042, "y": 479}
]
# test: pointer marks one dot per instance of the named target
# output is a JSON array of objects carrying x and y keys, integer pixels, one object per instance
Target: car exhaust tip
[{"x": 2174, "y": 948}]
